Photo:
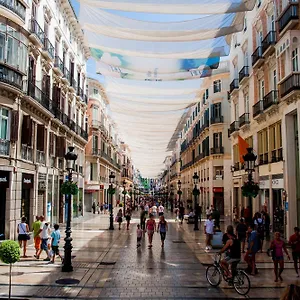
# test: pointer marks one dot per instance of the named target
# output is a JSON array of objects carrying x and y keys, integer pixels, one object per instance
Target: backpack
[{"x": 260, "y": 228}]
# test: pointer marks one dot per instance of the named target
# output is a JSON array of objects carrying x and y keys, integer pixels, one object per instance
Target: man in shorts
[
  {"x": 44, "y": 234},
  {"x": 55, "y": 238},
  {"x": 233, "y": 251},
  {"x": 36, "y": 225},
  {"x": 294, "y": 241}
]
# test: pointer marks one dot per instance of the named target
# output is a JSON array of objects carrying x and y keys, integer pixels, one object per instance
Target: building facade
[
  {"x": 265, "y": 109},
  {"x": 42, "y": 110},
  {"x": 205, "y": 148},
  {"x": 103, "y": 151}
]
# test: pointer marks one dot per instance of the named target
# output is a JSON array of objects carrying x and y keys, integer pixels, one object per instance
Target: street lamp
[
  {"x": 70, "y": 158},
  {"x": 179, "y": 192},
  {"x": 249, "y": 159},
  {"x": 171, "y": 197},
  {"x": 130, "y": 196},
  {"x": 196, "y": 193},
  {"x": 166, "y": 194},
  {"x": 111, "y": 188},
  {"x": 124, "y": 193}
]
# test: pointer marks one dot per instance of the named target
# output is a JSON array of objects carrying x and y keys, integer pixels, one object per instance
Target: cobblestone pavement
[{"x": 107, "y": 265}]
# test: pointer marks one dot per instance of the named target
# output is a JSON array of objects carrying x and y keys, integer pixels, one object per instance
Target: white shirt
[
  {"x": 45, "y": 230},
  {"x": 208, "y": 211},
  {"x": 154, "y": 208},
  {"x": 146, "y": 208},
  {"x": 209, "y": 226},
  {"x": 161, "y": 209}
]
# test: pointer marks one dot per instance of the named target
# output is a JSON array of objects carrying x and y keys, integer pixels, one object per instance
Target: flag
[{"x": 243, "y": 145}]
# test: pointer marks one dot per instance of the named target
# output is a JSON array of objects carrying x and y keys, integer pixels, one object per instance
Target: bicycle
[{"x": 239, "y": 280}]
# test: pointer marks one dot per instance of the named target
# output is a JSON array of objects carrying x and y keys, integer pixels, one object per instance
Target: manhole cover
[
  {"x": 107, "y": 263},
  {"x": 67, "y": 281},
  {"x": 179, "y": 242}
]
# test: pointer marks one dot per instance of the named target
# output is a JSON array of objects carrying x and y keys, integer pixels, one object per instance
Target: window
[
  {"x": 217, "y": 86},
  {"x": 217, "y": 140},
  {"x": 2, "y": 46},
  {"x": 3, "y": 123},
  {"x": 274, "y": 73},
  {"x": 216, "y": 110},
  {"x": 96, "y": 91},
  {"x": 95, "y": 142},
  {"x": 259, "y": 38},
  {"x": 261, "y": 85},
  {"x": 218, "y": 173},
  {"x": 271, "y": 23},
  {"x": 236, "y": 111},
  {"x": 246, "y": 58},
  {"x": 263, "y": 146},
  {"x": 295, "y": 60},
  {"x": 246, "y": 103},
  {"x": 258, "y": 3},
  {"x": 93, "y": 172},
  {"x": 249, "y": 141},
  {"x": 95, "y": 112},
  {"x": 206, "y": 94}
]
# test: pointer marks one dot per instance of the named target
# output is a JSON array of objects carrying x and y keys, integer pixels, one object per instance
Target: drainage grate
[
  {"x": 107, "y": 263},
  {"x": 67, "y": 281},
  {"x": 179, "y": 242}
]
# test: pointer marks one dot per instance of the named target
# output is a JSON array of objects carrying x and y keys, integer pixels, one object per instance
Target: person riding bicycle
[{"x": 233, "y": 251}]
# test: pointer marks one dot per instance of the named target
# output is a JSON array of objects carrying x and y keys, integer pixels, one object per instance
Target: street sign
[{"x": 286, "y": 206}]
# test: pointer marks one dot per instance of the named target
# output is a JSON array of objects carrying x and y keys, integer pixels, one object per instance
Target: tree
[{"x": 9, "y": 254}]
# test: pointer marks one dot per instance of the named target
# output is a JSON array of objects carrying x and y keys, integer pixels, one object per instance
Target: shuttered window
[
  {"x": 14, "y": 126},
  {"x": 40, "y": 145},
  {"x": 26, "y": 137}
]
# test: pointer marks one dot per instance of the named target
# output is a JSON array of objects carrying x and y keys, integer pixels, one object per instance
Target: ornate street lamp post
[
  {"x": 124, "y": 193},
  {"x": 171, "y": 197},
  {"x": 111, "y": 190},
  {"x": 179, "y": 192},
  {"x": 130, "y": 192},
  {"x": 70, "y": 158},
  {"x": 249, "y": 159},
  {"x": 196, "y": 193},
  {"x": 167, "y": 194}
]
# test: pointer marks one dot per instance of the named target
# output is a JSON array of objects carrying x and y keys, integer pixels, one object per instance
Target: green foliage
[
  {"x": 196, "y": 192},
  {"x": 250, "y": 189},
  {"x": 111, "y": 191},
  {"x": 69, "y": 188},
  {"x": 124, "y": 192},
  {"x": 9, "y": 252},
  {"x": 179, "y": 192}
]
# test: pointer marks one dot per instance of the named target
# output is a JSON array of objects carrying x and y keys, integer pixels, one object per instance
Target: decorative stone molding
[
  {"x": 246, "y": 90},
  {"x": 235, "y": 60},
  {"x": 8, "y": 93},
  {"x": 33, "y": 51},
  {"x": 260, "y": 73},
  {"x": 292, "y": 99},
  {"x": 65, "y": 46},
  {"x": 37, "y": 2},
  {"x": 46, "y": 67},
  {"x": 261, "y": 118},
  {"x": 258, "y": 24},
  {"x": 271, "y": 61},
  {"x": 273, "y": 110},
  {"x": 56, "y": 79},
  {"x": 47, "y": 14},
  {"x": 269, "y": 7},
  {"x": 58, "y": 33},
  {"x": 246, "y": 128}
]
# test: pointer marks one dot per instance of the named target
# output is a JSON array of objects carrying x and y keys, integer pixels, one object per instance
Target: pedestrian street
[{"x": 107, "y": 265}]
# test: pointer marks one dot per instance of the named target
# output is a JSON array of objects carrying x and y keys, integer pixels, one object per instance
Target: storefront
[
  {"x": 41, "y": 201},
  {"x": 277, "y": 201},
  {"x": 264, "y": 194},
  {"x": 27, "y": 195},
  {"x": 218, "y": 199},
  {"x": 4, "y": 185}
]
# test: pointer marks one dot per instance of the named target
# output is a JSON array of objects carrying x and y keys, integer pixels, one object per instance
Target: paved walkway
[{"x": 107, "y": 265}]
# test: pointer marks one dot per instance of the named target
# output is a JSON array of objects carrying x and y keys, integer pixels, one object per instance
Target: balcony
[
  {"x": 73, "y": 85},
  {"x": 96, "y": 124},
  {"x": 268, "y": 43},
  {"x": 270, "y": 99},
  {"x": 288, "y": 18},
  {"x": 257, "y": 108},
  {"x": 58, "y": 66},
  {"x": 4, "y": 147},
  {"x": 26, "y": 152},
  {"x": 234, "y": 85},
  {"x": 218, "y": 150},
  {"x": 40, "y": 157},
  {"x": 38, "y": 95},
  {"x": 37, "y": 34},
  {"x": 48, "y": 49},
  {"x": 58, "y": 114},
  {"x": 263, "y": 159},
  {"x": 290, "y": 84},
  {"x": 215, "y": 120},
  {"x": 66, "y": 76},
  {"x": 80, "y": 93},
  {"x": 10, "y": 77},
  {"x": 257, "y": 57},
  {"x": 276, "y": 155},
  {"x": 243, "y": 74},
  {"x": 16, "y": 7},
  {"x": 96, "y": 152},
  {"x": 234, "y": 126},
  {"x": 244, "y": 119}
]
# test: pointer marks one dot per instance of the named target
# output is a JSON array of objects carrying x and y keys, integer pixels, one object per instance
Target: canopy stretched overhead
[
  {"x": 175, "y": 6},
  {"x": 202, "y": 28}
]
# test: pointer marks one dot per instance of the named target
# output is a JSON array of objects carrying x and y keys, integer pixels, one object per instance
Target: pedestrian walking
[
  {"x": 253, "y": 248},
  {"x": 161, "y": 210},
  {"x": 150, "y": 227},
  {"x": 139, "y": 235},
  {"x": 101, "y": 208},
  {"x": 207, "y": 212},
  {"x": 36, "y": 225},
  {"x": 181, "y": 213},
  {"x": 120, "y": 218},
  {"x": 216, "y": 217},
  {"x": 294, "y": 241},
  {"x": 45, "y": 235},
  {"x": 209, "y": 231},
  {"x": 55, "y": 238},
  {"x": 128, "y": 217},
  {"x": 291, "y": 292},
  {"x": 277, "y": 247},
  {"x": 143, "y": 218},
  {"x": 162, "y": 228},
  {"x": 94, "y": 207},
  {"x": 98, "y": 208},
  {"x": 23, "y": 235},
  {"x": 241, "y": 231},
  {"x": 260, "y": 228}
]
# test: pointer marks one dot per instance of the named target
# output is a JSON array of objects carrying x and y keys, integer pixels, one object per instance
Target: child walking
[
  {"x": 55, "y": 237},
  {"x": 139, "y": 234}
]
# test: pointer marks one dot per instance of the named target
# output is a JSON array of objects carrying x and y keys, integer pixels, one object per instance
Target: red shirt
[{"x": 295, "y": 238}]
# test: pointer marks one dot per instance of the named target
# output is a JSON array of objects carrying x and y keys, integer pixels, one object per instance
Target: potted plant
[
  {"x": 179, "y": 193},
  {"x": 250, "y": 189},
  {"x": 9, "y": 254},
  {"x": 196, "y": 192},
  {"x": 69, "y": 188},
  {"x": 111, "y": 191}
]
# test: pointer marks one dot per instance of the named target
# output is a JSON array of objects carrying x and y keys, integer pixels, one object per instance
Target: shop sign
[
  {"x": 101, "y": 186},
  {"x": 27, "y": 181},
  {"x": 264, "y": 184},
  {"x": 286, "y": 206},
  {"x": 4, "y": 179},
  {"x": 218, "y": 190},
  {"x": 277, "y": 183},
  {"x": 42, "y": 185}
]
